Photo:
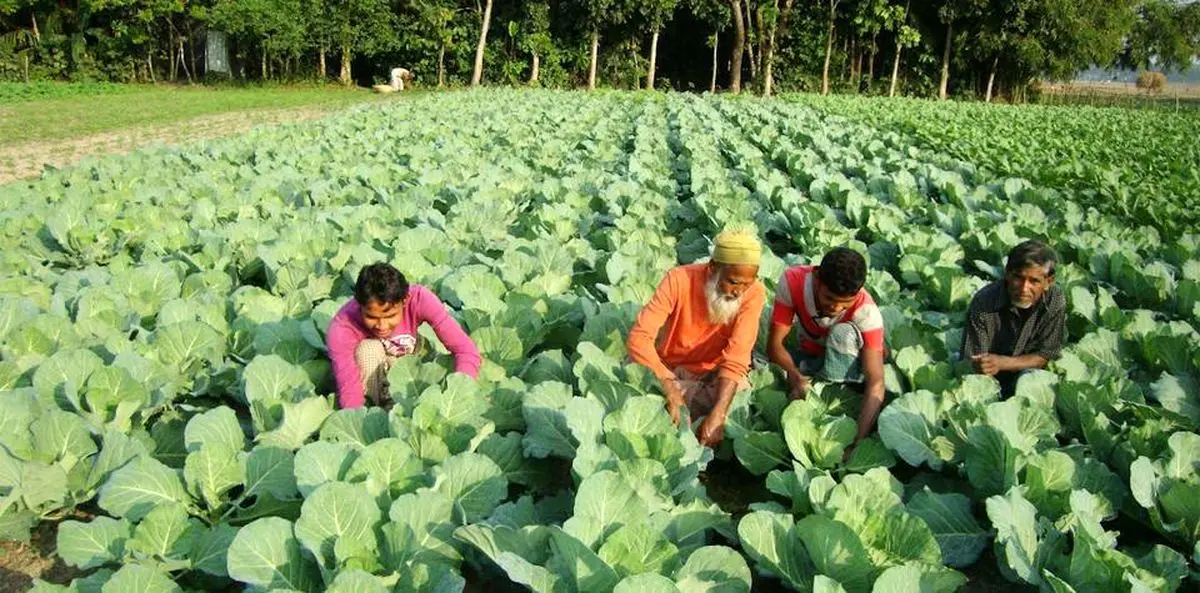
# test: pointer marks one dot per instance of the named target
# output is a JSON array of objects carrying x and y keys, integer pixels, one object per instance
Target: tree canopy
[{"x": 968, "y": 47}]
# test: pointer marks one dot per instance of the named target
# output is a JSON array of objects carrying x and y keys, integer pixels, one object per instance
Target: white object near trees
[
  {"x": 396, "y": 82},
  {"x": 216, "y": 53},
  {"x": 399, "y": 75}
]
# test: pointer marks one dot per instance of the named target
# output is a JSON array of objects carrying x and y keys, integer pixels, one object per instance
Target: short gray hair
[{"x": 1030, "y": 254}]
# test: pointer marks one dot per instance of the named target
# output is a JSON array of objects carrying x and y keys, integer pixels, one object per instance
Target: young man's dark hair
[
  {"x": 1030, "y": 254},
  {"x": 380, "y": 282},
  {"x": 843, "y": 271}
]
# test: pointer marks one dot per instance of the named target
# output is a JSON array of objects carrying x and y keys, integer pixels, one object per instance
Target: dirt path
[
  {"x": 27, "y": 159},
  {"x": 20, "y": 563}
]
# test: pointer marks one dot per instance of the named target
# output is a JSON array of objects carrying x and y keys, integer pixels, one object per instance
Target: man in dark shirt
[{"x": 1018, "y": 323}]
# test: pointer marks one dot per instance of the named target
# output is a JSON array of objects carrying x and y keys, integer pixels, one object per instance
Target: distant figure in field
[
  {"x": 839, "y": 330},
  {"x": 698, "y": 330},
  {"x": 379, "y": 326},
  {"x": 1017, "y": 324},
  {"x": 396, "y": 83}
]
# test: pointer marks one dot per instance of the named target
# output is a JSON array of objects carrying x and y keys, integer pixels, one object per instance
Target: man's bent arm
[
  {"x": 650, "y": 320},
  {"x": 777, "y": 351},
  {"x": 872, "y": 362},
  {"x": 1021, "y": 363}
]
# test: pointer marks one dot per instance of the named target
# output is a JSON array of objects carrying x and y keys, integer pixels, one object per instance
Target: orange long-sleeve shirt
[{"x": 679, "y": 312}]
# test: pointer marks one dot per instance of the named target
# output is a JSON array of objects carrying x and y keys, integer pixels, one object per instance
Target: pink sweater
[{"x": 346, "y": 331}]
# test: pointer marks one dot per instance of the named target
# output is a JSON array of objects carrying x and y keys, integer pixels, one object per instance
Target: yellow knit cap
[{"x": 737, "y": 247}]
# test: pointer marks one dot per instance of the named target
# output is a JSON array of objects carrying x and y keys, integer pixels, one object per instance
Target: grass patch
[
  {"x": 17, "y": 92},
  {"x": 65, "y": 112}
]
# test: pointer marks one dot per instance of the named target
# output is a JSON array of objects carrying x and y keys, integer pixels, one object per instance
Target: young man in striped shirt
[{"x": 839, "y": 330}]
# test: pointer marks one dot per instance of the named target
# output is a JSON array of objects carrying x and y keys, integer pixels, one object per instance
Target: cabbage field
[{"x": 167, "y": 401}]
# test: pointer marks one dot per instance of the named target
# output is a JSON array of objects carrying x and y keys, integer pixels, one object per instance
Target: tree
[
  {"x": 777, "y": 22},
  {"x": 996, "y": 24},
  {"x": 535, "y": 36},
  {"x": 948, "y": 13},
  {"x": 739, "y": 46},
  {"x": 363, "y": 26},
  {"x": 833, "y": 6},
  {"x": 485, "y": 23},
  {"x": 906, "y": 36},
  {"x": 20, "y": 40},
  {"x": 438, "y": 17},
  {"x": 870, "y": 19},
  {"x": 600, "y": 14},
  {"x": 716, "y": 14},
  {"x": 656, "y": 13},
  {"x": 1165, "y": 36}
]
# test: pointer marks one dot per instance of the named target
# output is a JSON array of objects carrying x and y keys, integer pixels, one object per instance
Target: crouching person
[
  {"x": 698, "y": 330},
  {"x": 1018, "y": 323},
  {"x": 839, "y": 330},
  {"x": 379, "y": 326}
]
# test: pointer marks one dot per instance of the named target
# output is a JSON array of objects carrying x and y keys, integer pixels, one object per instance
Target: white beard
[{"x": 721, "y": 310}]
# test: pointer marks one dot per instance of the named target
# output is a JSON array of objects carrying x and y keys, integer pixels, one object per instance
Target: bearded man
[
  {"x": 1018, "y": 323},
  {"x": 698, "y": 330}
]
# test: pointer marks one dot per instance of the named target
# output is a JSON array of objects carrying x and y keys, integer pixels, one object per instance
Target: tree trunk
[
  {"x": 895, "y": 70},
  {"x": 595, "y": 58},
  {"x": 828, "y": 48},
  {"x": 172, "y": 73},
  {"x": 345, "y": 75},
  {"x": 768, "y": 65},
  {"x": 37, "y": 35},
  {"x": 322, "y": 71},
  {"x": 477, "y": 75},
  {"x": 150, "y": 64},
  {"x": 183, "y": 62},
  {"x": 739, "y": 46},
  {"x": 192, "y": 51},
  {"x": 757, "y": 55},
  {"x": 899, "y": 50},
  {"x": 991, "y": 79},
  {"x": 776, "y": 33},
  {"x": 712, "y": 88},
  {"x": 944, "y": 88},
  {"x": 533, "y": 77},
  {"x": 871, "y": 63},
  {"x": 263, "y": 63},
  {"x": 749, "y": 20},
  {"x": 25, "y": 66},
  {"x": 653, "y": 60},
  {"x": 850, "y": 53},
  {"x": 442, "y": 65}
]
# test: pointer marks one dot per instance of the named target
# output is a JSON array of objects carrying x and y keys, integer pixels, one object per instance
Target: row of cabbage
[{"x": 1138, "y": 165}]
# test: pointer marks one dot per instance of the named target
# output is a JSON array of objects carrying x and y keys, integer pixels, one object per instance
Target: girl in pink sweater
[{"x": 379, "y": 325}]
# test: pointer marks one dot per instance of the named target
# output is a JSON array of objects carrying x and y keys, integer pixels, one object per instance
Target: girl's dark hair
[
  {"x": 1030, "y": 254},
  {"x": 381, "y": 282},
  {"x": 843, "y": 271}
]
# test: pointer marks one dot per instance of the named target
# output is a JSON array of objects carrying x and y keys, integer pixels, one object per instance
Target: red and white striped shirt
[{"x": 795, "y": 298}]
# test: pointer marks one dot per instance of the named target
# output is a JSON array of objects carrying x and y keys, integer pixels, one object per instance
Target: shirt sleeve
[
  {"x": 1048, "y": 336},
  {"x": 978, "y": 332},
  {"x": 735, "y": 359},
  {"x": 650, "y": 320},
  {"x": 783, "y": 312},
  {"x": 431, "y": 310},
  {"x": 869, "y": 320},
  {"x": 341, "y": 341}
]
